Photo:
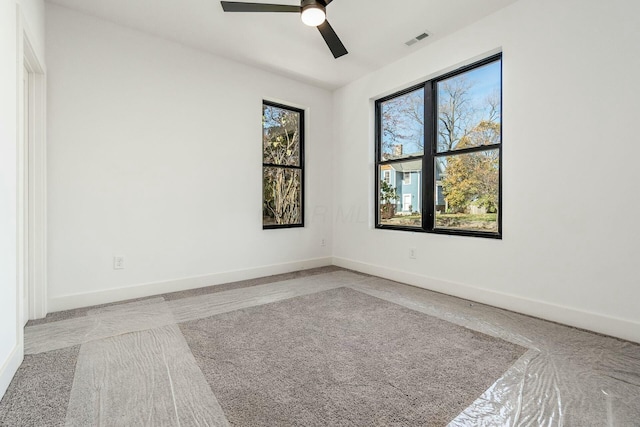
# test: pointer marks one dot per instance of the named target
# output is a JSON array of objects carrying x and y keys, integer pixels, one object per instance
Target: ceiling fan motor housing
[{"x": 313, "y": 4}]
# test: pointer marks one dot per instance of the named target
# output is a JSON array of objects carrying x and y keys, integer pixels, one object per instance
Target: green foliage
[
  {"x": 388, "y": 193},
  {"x": 473, "y": 178},
  {"x": 388, "y": 197}
]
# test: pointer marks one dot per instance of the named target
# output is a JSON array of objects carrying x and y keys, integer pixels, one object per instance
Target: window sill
[{"x": 448, "y": 232}]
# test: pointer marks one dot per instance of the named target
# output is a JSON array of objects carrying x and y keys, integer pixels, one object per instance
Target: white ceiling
[{"x": 373, "y": 31}]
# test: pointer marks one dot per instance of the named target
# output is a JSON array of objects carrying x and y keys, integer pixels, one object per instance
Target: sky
[{"x": 485, "y": 79}]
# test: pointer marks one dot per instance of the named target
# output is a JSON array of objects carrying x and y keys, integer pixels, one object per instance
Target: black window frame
[
  {"x": 301, "y": 124},
  {"x": 430, "y": 153}
]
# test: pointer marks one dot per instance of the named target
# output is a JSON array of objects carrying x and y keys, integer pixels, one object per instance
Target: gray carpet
[
  {"x": 39, "y": 393},
  {"x": 323, "y": 359},
  {"x": 343, "y": 358}
]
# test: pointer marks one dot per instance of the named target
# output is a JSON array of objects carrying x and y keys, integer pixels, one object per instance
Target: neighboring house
[{"x": 406, "y": 178}]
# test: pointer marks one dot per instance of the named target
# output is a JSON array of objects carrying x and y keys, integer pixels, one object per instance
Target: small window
[
  {"x": 406, "y": 178},
  {"x": 445, "y": 139},
  {"x": 282, "y": 166},
  {"x": 386, "y": 176}
]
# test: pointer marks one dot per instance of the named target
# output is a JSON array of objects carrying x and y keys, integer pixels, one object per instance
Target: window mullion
[
  {"x": 428, "y": 184},
  {"x": 399, "y": 160},
  {"x": 275, "y": 165},
  {"x": 468, "y": 150}
]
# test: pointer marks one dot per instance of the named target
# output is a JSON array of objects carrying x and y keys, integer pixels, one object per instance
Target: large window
[
  {"x": 282, "y": 166},
  {"x": 440, "y": 144}
]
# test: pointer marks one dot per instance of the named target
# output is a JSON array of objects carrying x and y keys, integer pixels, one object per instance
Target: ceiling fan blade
[
  {"x": 234, "y": 6},
  {"x": 332, "y": 39},
  {"x": 326, "y": 2}
]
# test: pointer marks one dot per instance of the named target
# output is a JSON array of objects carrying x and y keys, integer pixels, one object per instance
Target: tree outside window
[
  {"x": 456, "y": 179},
  {"x": 283, "y": 166}
]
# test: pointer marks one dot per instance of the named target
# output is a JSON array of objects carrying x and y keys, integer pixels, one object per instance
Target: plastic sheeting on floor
[
  {"x": 142, "y": 378},
  {"x": 568, "y": 377}
]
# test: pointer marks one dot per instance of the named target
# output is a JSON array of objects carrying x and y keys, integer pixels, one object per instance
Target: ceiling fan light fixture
[{"x": 313, "y": 13}]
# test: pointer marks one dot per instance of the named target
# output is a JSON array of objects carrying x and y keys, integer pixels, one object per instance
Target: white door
[{"x": 406, "y": 202}]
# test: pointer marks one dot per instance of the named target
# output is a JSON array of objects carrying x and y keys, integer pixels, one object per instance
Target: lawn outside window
[
  {"x": 282, "y": 166},
  {"x": 439, "y": 154}
]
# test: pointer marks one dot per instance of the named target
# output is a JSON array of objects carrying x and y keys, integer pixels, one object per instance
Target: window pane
[
  {"x": 402, "y": 126},
  {"x": 467, "y": 190},
  {"x": 280, "y": 136},
  {"x": 469, "y": 108},
  {"x": 401, "y": 197},
  {"x": 282, "y": 196}
]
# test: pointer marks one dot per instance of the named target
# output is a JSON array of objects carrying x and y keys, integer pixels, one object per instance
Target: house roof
[{"x": 411, "y": 165}]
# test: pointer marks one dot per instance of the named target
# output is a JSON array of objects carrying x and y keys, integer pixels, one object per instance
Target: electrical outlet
[
  {"x": 323, "y": 242},
  {"x": 118, "y": 262},
  {"x": 412, "y": 253}
]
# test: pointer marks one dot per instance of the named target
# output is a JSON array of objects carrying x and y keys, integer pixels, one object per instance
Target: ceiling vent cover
[{"x": 416, "y": 39}]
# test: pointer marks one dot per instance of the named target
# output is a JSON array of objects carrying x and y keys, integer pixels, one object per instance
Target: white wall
[
  {"x": 155, "y": 154},
  {"x": 11, "y": 24},
  {"x": 33, "y": 12},
  {"x": 570, "y": 246},
  {"x": 8, "y": 185}
]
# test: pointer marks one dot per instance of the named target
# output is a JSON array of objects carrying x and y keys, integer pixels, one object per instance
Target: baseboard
[
  {"x": 608, "y": 325},
  {"x": 9, "y": 368},
  {"x": 67, "y": 302}
]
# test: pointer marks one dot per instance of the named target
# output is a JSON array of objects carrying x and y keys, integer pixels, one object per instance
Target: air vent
[{"x": 416, "y": 39}]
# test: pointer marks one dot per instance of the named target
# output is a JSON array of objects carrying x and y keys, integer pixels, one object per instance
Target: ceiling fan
[{"x": 312, "y": 12}]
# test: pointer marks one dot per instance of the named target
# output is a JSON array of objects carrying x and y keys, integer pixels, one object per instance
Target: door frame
[{"x": 32, "y": 180}]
